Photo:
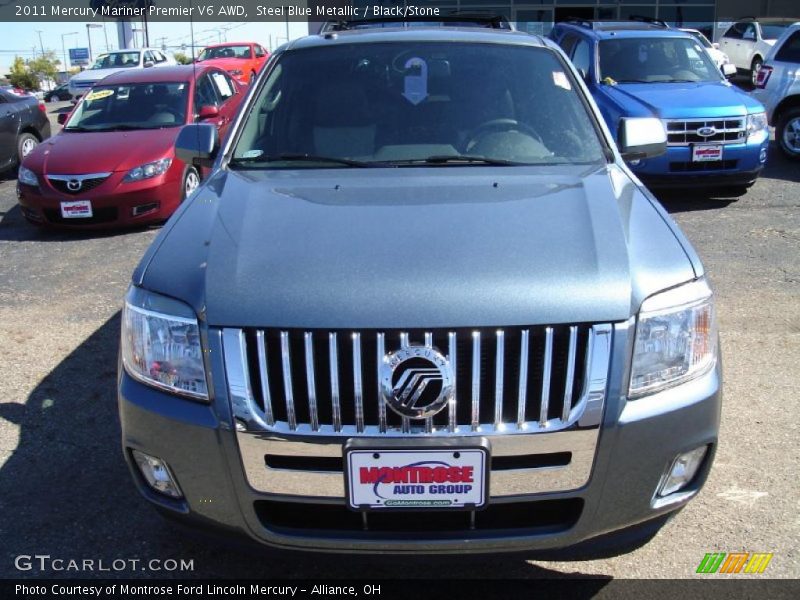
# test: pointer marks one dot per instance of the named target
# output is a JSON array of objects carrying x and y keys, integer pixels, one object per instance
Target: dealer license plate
[
  {"x": 706, "y": 153},
  {"x": 76, "y": 209},
  {"x": 420, "y": 478}
]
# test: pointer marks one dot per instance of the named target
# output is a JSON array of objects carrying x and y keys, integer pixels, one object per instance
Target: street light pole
[
  {"x": 90, "y": 26},
  {"x": 64, "y": 49},
  {"x": 41, "y": 45}
]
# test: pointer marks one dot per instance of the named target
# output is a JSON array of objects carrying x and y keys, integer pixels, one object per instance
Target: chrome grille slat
[
  {"x": 336, "y": 408},
  {"x": 728, "y": 130},
  {"x": 264, "y": 375},
  {"x": 476, "y": 380},
  {"x": 288, "y": 388},
  {"x": 499, "y": 366},
  {"x": 530, "y": 379},
  {"x": 308, "y": 339},
  {"x": 570, "y": 378},
  {"x": 547, "y": 368},
  {"x": 522, "y": 393}
]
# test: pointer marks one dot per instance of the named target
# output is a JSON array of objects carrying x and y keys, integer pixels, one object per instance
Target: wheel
[
  {"x": 26, "y": 142},
  {"x": 754, "y": 69},
  {"x": 191, "y": 181},
  {"x": 787, "y": 132}
]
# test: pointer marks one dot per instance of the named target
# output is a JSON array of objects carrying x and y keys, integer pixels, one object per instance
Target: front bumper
[
  {"x": 637, "y": 442},
  {"x": 114, "y": 203},
  {"x": 741, "y": 164}
]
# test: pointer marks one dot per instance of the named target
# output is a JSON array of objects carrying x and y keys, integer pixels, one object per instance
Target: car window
[
  {"x": 736, "y": 31},
  {"x": 773, "y": 31},
  {"x": 224, "y": 86},
  {"x": 567, "y": 43},
  {"x": 655, "y": 60},
  {"x": 159, "y": 57},
  {"x": 205, "y": 93},
  {"x": 790, "y": 50},
  {"x": 402, "y": 103},
  {"x": 225, "y": 52},
  {"x": 131, "y": 106},
  {"x": 148, "y": 57},
  {"x": 117, "y": 60},
  {"x": 581, "y": 57},
  {"x": 260, "y": 52},
  {"x": 749, "y": 32}
]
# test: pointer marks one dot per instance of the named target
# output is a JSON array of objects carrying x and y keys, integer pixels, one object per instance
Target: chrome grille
[
  {"x": 728, "y": 130},
  {"x": 85, "y": 183},
  {"x": 510, "y": 380}
]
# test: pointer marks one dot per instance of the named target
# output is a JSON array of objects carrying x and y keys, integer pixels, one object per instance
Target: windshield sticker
[
  {"x": 252, "y": 154},
  {"x": 415, "y": 88},
  {"x": 560, "y": 79},
  {"x": 99, "y": 94},
  {"x": 222, "y": 84}
]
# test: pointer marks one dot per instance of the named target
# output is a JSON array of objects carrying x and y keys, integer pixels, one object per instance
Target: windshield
[
  {"x": 702, "y": 39},
  {"x": 117, "y": 60},
  {"x": 399, "y": 104},
  {"x": 131, "y": 106},
  {"x": 773, "y": 31},
  {"x": 655, "y": 60},
  {"x": 225, "y": 52}
]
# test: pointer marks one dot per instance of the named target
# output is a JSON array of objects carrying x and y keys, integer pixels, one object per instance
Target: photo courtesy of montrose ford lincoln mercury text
[{"x": 421, "y": 305}]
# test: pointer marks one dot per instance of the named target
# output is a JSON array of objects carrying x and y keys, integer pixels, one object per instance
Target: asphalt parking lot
[{"x": 65, "y": 491}]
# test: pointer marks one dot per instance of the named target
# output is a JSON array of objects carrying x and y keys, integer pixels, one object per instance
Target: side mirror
[
  {"x": 197, "y": 144},
  {"x": 715, "y": 45},
  {"x": 641, "y": 138},
  {"x": 148, "y": 64},
  {"x": 62, "y": 118},
  {"x": 729, "y": 70},
  {"x": 208, "y": 111}
]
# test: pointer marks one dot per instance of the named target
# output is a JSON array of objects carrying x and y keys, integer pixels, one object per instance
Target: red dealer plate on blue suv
[{"x": 452, "y": 478}]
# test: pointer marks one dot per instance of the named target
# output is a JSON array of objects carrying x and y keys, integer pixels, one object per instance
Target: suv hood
[
  {"x": 684, "y": 100},
  {"x": 94, "y": 75},
  {"x": 430, "y": 247},
  {"x": 100, "y": 152}
]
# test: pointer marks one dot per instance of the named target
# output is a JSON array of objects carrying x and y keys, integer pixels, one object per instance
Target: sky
[{"x": 19, "y": 39}]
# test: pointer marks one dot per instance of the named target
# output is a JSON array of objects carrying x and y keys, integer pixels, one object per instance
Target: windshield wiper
[
  {"x": 301, "y": 158},
  {"x": 453, "y": 159}
]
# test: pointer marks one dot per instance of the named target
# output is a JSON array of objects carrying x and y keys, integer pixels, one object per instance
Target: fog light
[
  {"x": 157, "y": 475},
  {"x": 682, "y": 471}
]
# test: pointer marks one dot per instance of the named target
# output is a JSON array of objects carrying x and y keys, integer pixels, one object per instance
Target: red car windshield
[
  {"x": 131, "y": 106},
  {"x": 225, "y": 52}
]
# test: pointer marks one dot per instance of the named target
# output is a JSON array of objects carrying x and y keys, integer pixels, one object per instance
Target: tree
[
  {"x": 21, "y": 77},
  {"x": 182, "y": 58},
  {"x": 44, "y": 66}
]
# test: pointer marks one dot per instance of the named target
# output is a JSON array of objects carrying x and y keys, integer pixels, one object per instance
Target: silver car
[
  {"x": 118, "y": 60},
  {"x": 778, "y": 88}
]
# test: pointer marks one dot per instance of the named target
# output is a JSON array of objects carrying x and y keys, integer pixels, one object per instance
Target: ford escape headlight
[
  {"x": 148, "y": 170},
  {"x": 160, "y": 344},
  {"x": 756, "y": 123},
  {"x": 676, "y": 338}
]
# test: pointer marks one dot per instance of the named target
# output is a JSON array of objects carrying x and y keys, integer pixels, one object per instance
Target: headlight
[
  {"x": 676, "y": 338},
  {"x": 756, "y": 123},
  {"x": 146, "y": 171},
  {"x": 27, "y": 177},
  {"x": 160, "y": 344}
]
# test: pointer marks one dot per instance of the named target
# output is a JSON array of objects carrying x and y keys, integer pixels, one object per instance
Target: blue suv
[{"x": 717, "y": 134}]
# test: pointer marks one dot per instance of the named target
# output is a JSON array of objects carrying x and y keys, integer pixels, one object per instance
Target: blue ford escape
[{"x": 717, "y": 134}]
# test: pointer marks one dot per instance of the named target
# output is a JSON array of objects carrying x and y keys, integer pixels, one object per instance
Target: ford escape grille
[
  {"x": 728, "y": 130},
  {"x": 328, "y": 382}
]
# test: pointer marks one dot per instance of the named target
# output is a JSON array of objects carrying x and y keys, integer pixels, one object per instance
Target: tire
[
  {"x": 26, "y": 143},
  {"x": 787, "y": 133},
  {"x": 755, "y": 67},
  {"x": 191, "y": 180}
]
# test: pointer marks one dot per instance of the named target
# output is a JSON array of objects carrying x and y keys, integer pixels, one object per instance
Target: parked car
[
  {"x": 114, "y": 164},
  {"x": 23, "y": 125},
  {"x": 778, "y": 87},
  {"x": 717, "y": 55},
  {"x": 717, "y": 134},
  {"x": 58, "y": 94},
  {"x": 748, "y": 41},
  {"x": 421, "y": 306},
  {"x": 113, "y": 62},
  {"x": 242, "y": 60}
]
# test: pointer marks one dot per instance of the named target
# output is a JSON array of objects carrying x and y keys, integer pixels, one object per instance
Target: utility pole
[{"x": 41, "y": 45}]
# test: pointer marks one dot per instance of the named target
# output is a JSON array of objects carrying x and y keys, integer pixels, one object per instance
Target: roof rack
[
  {"x": 486, "y": 19},
  {"x": 589, "y": 24},
  {"x": 651, "y": 20}
]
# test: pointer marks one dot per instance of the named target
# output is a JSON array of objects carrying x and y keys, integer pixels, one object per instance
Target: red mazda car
[
  {"x": 242, "y": 60},
  {"x": 114, "y": 162}
]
